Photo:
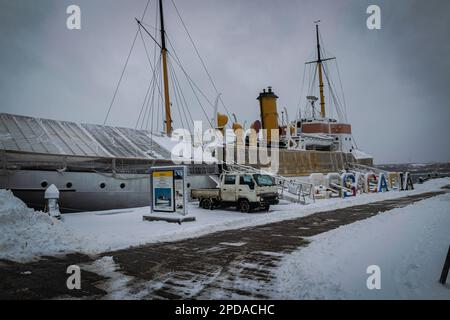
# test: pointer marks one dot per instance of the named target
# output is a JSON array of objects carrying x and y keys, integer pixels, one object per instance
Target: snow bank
[
  {"x": 26, "y": 234},
  {"x": 408, "y": 244}
]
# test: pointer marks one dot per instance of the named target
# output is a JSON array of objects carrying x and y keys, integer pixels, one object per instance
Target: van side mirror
[{"x": 251, "y": 185}]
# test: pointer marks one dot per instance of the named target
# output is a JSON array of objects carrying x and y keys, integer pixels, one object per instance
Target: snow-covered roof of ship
[{"x": 45, "y": 136}]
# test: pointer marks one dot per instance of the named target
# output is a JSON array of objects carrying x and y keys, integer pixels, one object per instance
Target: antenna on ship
[
  {"x": 312, "y": 100},
  {"x": 319, "y": 62}
]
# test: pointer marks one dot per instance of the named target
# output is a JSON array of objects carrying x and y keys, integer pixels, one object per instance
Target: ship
[
  {"x": 95, "y": 167},
  {"x": 314, "y": 141},
  {"x": 317, "y": 131},
  {"x": 101, "y": 167}
]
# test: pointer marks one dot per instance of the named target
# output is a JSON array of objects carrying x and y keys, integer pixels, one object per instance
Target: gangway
[
  {"x": 291, "y": 190},
  {"x": 356, "y": 167}
]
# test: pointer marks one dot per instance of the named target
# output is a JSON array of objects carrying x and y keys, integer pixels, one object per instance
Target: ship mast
[
  {"x": 319, "y": 62},
  {"x": 319, "y": 66},
  {"x": 165, "y": 74}
]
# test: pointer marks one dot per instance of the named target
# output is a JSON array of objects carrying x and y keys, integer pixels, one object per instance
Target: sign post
[{"x": 168, "y": 187}]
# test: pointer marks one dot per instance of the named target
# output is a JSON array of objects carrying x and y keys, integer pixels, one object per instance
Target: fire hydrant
[{"x": 52, "y": 206}]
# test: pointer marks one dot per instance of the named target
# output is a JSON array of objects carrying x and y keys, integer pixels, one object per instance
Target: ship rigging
[
  {"x": 320, "y": 79},
  {"x": 166, "y": 101}
]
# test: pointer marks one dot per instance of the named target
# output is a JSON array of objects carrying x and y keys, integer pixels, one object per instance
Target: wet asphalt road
[{"x": 233, "y": 264}]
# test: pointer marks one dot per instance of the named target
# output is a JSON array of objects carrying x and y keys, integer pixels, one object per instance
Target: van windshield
[{"x": 264, "y": 180}]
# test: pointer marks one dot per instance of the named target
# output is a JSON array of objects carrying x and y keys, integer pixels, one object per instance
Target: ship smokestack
[{"x": 268, "y": 108}]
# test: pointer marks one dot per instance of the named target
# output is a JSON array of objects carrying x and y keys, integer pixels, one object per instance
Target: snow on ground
[
  {"x": 408, "y": 244},
  {"x": 25, "y": 235},
  {"x": 110, "y": 230}
]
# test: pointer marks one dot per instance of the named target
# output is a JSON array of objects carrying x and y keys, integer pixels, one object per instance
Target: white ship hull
[{"x": 85, "y": 192}]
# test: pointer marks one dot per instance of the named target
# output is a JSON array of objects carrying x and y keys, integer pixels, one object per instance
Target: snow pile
[
  {"x": 26, "y": 234},
  {"x": 408, "y": 244}
]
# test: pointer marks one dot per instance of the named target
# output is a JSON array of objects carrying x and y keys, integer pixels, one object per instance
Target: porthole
[
  {"x": 102, "y": 185},
  {"x": 44, "y": 184},
  {"x": 69, "y": 185},
  {"x": 122, "y": 185}
]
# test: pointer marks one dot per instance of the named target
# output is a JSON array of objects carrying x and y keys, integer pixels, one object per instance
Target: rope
[
  {"x": 183, "y": 97},
  {"x": 124, "y": 67},
  {"x": 121, "y": 77},
  {"x": 180, "y": 65},
  {"x": 149, "y": 87},
  {"x": 343, "y": 92},
  {"x": 153, "y": 77},
  {"x": 299, "y": 113},
  {"x": 176, "y": 95},
  {"x": 155, "y": 82},
  {"x": 151, "y": 108},
  {"x": 312, "y": 82},
  {"x": 143, "y": 104},
  {"x": 149, "y": 61},
  {"x": 200, "y": 58},
  {"x": 179, "y": 92},
  {"x": 335, "y": 98},
  {"x": 190, "y": 82},
  {"x": 342, "y": 113}
]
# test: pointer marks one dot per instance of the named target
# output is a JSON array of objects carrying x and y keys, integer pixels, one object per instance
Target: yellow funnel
[{"x": 269, "y": 115}]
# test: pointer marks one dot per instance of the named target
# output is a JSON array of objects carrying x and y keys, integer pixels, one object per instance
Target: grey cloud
[{"x": 395, "y": 79}]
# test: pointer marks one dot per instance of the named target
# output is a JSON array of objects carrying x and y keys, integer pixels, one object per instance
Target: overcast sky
[{"x": 396, "y": 80}]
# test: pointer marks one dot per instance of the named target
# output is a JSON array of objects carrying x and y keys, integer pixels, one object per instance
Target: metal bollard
[{"x": 52, "y": 206}]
